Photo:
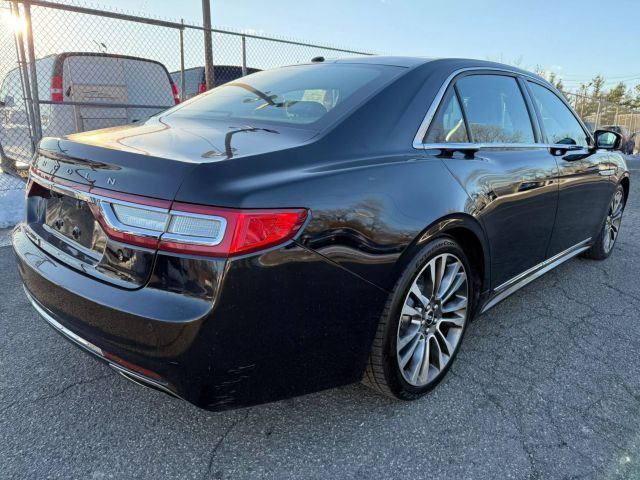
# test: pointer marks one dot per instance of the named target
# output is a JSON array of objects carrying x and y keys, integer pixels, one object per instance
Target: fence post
[
  {"x": 32, "y": 68},
  {"x": 182, "y": 94},
  {"x": 24, "y": 75},
  {"x": 595, "y": 127},
  {"x": 208, "y": 47},
  {"x": 244, "y": 56},
  {"x": 615, "y": 121}
]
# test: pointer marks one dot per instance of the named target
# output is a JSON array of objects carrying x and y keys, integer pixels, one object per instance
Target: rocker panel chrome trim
[{"x": 516, "y": 283}]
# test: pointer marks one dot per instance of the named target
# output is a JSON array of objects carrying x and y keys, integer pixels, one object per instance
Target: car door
[
  {"x": 511, "y": 179},
  {"x": 585, "y": 187}
]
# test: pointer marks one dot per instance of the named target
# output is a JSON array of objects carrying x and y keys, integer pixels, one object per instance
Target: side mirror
[{"x": 607, "y": 140}]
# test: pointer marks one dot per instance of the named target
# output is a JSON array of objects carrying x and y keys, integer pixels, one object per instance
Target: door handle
[{"x": 560, "y": 149}]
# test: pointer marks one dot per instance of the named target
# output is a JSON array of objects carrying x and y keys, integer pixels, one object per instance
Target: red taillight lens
[
  {"x": 259, "y": 230},
  {"x": 245, "y": 231},
  {"x": 176, "y": 94},
  {"x": 202, "y": 88},
  {"x": 56, "y": 89}
]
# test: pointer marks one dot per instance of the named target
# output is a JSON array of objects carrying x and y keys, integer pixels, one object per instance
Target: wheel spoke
[
  {"x": 458, "y": 303},
  {"x": 444, "y": 340},
  {"x": 409, "y": 311},
  {"x": 409, "y": 334},
  {"x": 455, "y": 285},
  {"x": 440, "y": 265},
  {"x": 404, "y": 359},
  {"x": 440, "y": 356},
  {"x": 456, "y": 321},
  {"x": 415, "y": 289},
  {"x": 416, "y": 361},
  {"x": 423, "y": 376},
  {"x": 448, "y": 279}
]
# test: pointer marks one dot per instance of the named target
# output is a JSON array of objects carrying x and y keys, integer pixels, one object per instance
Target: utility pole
[{"x": 208, "y": 52}]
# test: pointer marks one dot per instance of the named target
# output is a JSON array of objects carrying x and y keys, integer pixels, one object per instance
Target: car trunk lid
[{"x": 83, "y": 187}]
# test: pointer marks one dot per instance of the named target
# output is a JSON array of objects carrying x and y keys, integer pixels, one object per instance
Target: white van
[{"x": 137, "y": 87}]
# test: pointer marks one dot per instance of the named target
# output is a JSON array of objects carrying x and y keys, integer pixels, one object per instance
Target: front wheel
[
  {"x": 609, "y": 233},
  {"x": 423, "y": 322}
]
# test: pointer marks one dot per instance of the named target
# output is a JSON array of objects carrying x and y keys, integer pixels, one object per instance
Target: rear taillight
[
  {"x": 202, "y": 88},
  {"x": 180, "y": 227},
  {"x": 56, "y": 89},
  {"x": 175, "y": 92},
  {"x": 196, "y": 229},
  {"x": 237, "y": 231}
]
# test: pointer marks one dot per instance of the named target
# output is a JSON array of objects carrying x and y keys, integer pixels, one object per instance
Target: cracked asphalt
[{"x": 546, "y": 386}]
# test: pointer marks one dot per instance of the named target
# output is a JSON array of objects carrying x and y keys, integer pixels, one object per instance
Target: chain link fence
[
  {"x": 68, "y": 68},
  {"x": 598, "y": 113}
]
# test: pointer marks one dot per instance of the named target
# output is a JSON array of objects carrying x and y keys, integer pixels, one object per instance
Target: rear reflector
[
  {"x": 56, "y": 89},
  {"x": 131, "y": 366},
  {"x": 176, "y": 94}
]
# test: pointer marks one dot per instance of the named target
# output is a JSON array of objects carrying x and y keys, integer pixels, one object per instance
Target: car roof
[
  {"x": 406, "y": 62},
  {"x": 413, "y": 62}
]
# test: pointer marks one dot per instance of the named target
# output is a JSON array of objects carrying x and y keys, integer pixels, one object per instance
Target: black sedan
[{"x": 314, "y": 225}]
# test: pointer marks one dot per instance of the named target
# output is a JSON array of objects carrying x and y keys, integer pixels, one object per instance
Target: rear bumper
[
  {"x": 136, "y": 377},
  {"x": 218, "y": 333},
  {"x": 144, "y": 334}
]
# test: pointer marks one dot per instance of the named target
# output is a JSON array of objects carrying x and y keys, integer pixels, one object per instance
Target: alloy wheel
[
  {"x": 432, "y": 319},
  {"x": 613, "y": 221}
]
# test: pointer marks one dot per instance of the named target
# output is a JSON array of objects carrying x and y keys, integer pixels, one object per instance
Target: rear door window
[
  {"x": 448, "y": 124},
  {"x": 560, "y": 125},
  {"x": 495, "y": 109},
  {"x": 147, "y": 83}
]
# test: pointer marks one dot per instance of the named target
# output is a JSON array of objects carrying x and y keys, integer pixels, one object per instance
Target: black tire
[
  {"x": 599, "y": 250},
  {"x": 383, "y": 371}
]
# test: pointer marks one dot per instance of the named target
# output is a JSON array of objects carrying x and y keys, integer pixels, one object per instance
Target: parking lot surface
[{"x": 546, "y": 386}]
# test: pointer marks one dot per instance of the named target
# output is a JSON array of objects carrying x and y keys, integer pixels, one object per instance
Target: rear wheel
[
  {"x": 423, "y": 323},
  {"x": 609, "y": 232}
]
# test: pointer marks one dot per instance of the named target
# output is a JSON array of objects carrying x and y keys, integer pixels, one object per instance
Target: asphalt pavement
[{"x": 546, "y": 386}]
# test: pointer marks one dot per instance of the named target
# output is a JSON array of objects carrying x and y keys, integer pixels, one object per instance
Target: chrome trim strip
[
  {"x": 424, "y": 126},
  {"x": 78, "y": 340},
  {"x": 433, "y": 108},
  {"x": 516, "y": 283},
  {"x": 61, "y": 328},
  {"x": 540, "y": 265},
  {"x": 86, "y": 251},
  {"x": 142, "y": 380},
  {"x": 478, "y": 146},
  {"x": 481, "y": 146},
  {"x": 112, "y": 219}
]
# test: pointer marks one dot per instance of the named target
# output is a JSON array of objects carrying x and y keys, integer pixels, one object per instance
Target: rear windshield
[{"x": 300, "y": 95}]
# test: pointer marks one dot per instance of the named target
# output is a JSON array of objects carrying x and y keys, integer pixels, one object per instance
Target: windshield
[{"x": 299, "y": 96}]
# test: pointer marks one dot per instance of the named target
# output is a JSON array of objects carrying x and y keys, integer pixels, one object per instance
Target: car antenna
[{"x": 317, "y": 60}]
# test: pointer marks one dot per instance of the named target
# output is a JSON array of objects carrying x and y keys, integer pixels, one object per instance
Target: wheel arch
[
  {"x": 466, "y": 231},
  {"x": 626, "y": 184}
]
